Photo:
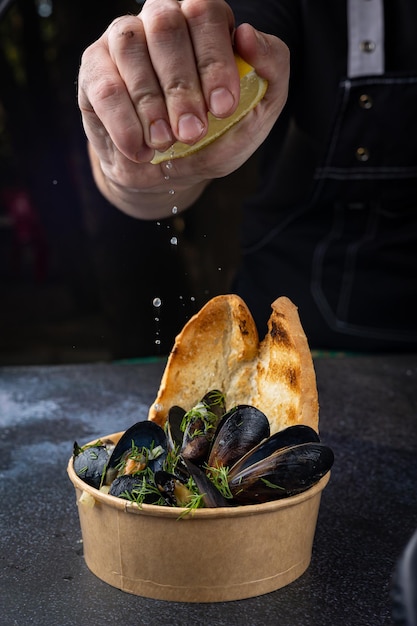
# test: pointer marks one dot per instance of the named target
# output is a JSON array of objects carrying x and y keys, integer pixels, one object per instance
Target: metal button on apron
[
  {"x": 362, "y": 154},
  {"x": 368, "y": 46},
  {"x": 365, "y": 101}
]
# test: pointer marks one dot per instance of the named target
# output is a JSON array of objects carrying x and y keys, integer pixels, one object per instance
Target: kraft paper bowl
[{"x": 211, "y": 555}]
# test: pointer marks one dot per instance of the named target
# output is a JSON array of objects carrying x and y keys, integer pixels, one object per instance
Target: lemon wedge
[{"x": 252, "y": 90}]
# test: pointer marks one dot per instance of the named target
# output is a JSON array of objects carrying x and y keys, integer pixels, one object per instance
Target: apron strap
[{"x": 365, "y": 37}]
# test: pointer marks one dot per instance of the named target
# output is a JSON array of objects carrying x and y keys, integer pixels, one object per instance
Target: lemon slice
[{"x": 252, "y": 90}]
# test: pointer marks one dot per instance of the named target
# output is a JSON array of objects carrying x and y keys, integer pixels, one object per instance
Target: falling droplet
[
  {"x": 157, "y": 342},
  {"x": 174, "y": 241},
  {"x": 157, "y": 302},
  {"x": 168, "y": 165},
  {"x": 175, "y": 210},
  {"x": 171, "y": 192}
]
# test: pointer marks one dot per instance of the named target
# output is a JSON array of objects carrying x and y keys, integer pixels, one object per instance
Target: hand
[{"x": 150, "y": 79}]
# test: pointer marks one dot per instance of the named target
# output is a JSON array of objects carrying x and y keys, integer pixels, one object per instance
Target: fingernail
[
  {"x": 190, "y": 128},
  {"x": 160, "y": 133},
  {"x": 221, "y": 101}
]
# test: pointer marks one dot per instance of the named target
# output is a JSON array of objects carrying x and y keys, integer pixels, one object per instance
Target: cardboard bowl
[{"x": 210, "y": 555}]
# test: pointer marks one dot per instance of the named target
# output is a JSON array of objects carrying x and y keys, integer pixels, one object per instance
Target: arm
[{"x": 150, "y": 80}]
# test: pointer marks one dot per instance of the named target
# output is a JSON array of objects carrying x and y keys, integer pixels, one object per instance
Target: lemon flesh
[{"x": 252, "y": 90}]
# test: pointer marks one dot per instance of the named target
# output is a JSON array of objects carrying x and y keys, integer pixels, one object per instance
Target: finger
[
  {"x": 211, "y": 27},
  {"x": 172, "y": 57},
  {"x": 271, "y": 59},
  {"x": 129, "y": 52},
  {"x": 105, "y": 103}
]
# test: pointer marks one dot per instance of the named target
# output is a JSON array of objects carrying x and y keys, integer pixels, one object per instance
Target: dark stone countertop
[{"x": 368, "y": 511}]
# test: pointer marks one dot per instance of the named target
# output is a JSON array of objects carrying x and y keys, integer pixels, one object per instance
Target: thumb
[{"x": 269, "y": 55}]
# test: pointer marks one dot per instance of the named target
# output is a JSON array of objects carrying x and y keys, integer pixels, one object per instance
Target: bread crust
[{"x": 219, "y": 348}]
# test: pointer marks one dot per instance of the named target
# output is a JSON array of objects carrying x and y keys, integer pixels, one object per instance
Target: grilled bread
[{"x": 219, "y": 348}]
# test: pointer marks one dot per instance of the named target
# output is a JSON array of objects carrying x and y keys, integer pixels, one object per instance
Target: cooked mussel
[
  {"x": 286, "y": 472},
  {"x": 191, "y": 432},
  {"x": 135, "y": 487},
  {"x": 141, "y": 446},
  {"x": 290, "y": 436},
  {"x": 90, "y": 462},
  {"x": 239, "y": 430},
  {"x": 173, "y": 490},
  {"x": 173, "y": 427},
  {"x": 211, "y": 496}
]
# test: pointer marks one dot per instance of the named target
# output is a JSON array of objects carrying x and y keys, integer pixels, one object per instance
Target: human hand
[{"x": 150, "y": 80}]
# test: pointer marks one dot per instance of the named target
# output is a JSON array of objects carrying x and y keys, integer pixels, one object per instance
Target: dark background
[{"x": 77, "y": 277}]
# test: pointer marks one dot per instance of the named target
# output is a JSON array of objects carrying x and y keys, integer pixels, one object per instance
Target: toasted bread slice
[{"x": 219, "y": 349}]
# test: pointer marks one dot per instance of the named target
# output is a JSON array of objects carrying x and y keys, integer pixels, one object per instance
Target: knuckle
[
  {"x": 164, "y": 20},
  {"x": 124, "y": 27}
]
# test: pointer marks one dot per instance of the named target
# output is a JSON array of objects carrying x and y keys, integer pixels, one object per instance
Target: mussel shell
[
  {"x": 211, "y": 495},
  {"x": 90, "y": 464},
  {"x": 125, "y": 485},
  {"x": 145, "y": 434},
  {"x": 173, "y": 429},
  {"x": 200, "y": 431},
  {"x": 197, "y": 441},
  {"x": 240, "y": 429},
  {"x": 172, "y": 488},
  {"x": 290, "y": 436},
  {"x": 215, "y": 402},
  {"x": 288, "y": 471}
]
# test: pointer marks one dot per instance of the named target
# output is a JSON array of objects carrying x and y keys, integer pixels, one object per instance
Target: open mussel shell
[
  {"x": 144, "y": 434},
  {"x": 215, "y": 402},
  {"x": 201, "y": 423},
  {"x": 290, "y": 436},
  {"x": 240, "y": 429},
  {"x": 90, "y": 463},
  {"x": 174, "y": 491},
  {"x": 211, "y": 495},
  {"x": 125, "y": 487},
  {"x": 173, "y": 428},
  {"x": 286, "y": 472}
]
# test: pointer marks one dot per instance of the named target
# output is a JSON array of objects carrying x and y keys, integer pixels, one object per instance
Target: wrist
[{"x": 153, "y": 202}]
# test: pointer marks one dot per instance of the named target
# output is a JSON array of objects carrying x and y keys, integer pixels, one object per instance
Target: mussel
[
  {"x": 192, "y": 432},
  {"x": 285, "y": 472},
  {"x": 142, "y": 446},
  {"x": 239, "y": 430},
  {"x": 90, "y": 462}
]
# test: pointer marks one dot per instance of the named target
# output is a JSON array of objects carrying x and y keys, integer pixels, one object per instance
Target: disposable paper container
[{"x": 212, "y": 555}]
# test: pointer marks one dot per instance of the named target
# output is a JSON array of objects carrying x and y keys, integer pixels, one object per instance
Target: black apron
[{"x": 348, "y": 257}]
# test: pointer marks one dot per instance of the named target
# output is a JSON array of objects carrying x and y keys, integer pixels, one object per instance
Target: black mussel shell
[
  {"x": 290, "y": 436},
  {"x": 126, "y": 485},
  {"x": 211, "y": 495},
  {"x": 288, "y": 471},
  {"x": 90, "y": 463},
  {"x": 144, "y": 434},
  {"x": 173, "y": 429},
  {"x": 197, "y": 440},
  {"x": 240, "y": 429},
  {"x": 201, "y": 426},
  {"x": 172, "y": 489}
]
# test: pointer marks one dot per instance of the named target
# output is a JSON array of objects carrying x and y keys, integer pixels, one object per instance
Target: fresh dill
[{"x": 219, "y": 476}]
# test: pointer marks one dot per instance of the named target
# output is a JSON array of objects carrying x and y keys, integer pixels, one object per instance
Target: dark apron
[{"x": 348, "y": 258}]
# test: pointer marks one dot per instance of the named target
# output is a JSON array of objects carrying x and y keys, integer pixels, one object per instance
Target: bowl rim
[{"x": 182, "y": 512}]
